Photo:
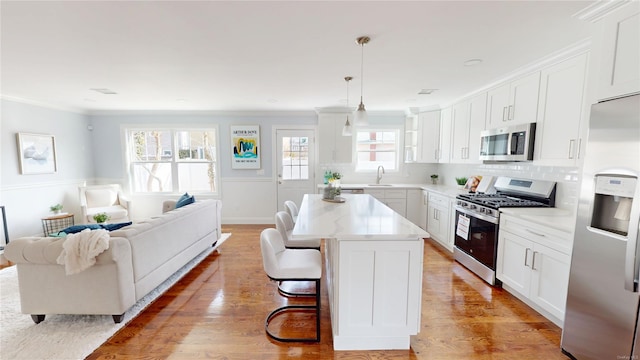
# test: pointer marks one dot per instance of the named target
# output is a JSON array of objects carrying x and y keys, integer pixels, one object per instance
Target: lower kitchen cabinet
[
  {"x": 438, "y": 224},
  {"x": 533, "y": 264},
  {"x": 417, "y": 207},
  {"x": 396, "y": 199}
]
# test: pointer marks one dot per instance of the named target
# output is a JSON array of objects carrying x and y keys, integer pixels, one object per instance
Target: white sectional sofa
[{"x": 139, "y": 258}]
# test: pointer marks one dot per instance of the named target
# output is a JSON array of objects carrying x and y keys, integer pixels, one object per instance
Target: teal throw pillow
[{"x": 185, "y": 199}]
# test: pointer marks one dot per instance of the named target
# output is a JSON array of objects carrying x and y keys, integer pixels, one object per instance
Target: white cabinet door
[
  {"x": 477, "y": 121},
  {"x": 438, "y": 219},
  {"x": 424, "y": 210},
  {"x": 444, "y": 149},
  {"x": 397, "y": 205},
  {"x": 620, "y": 72},
  {"x": 514, "y": 258},
  {"x": 414, "y": 203},
  {"x": 562, "y": 95},
  {"x": 514, "y": 103},
  {"x": 429, "y": 136},
  {"x": 460, "y": 133},
  {"x": 497, "y": 106},
  {"x": 524, "y": 99},
  {"x": 334, "y": 148},
  {"x": 550, "y": 279}
]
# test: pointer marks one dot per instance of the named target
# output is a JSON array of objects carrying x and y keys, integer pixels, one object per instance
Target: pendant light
[
  {"x": 346, "y": 130},
  {"x": 361, "y": 118}
]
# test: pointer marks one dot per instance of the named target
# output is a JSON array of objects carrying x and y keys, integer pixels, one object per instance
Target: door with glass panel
[{"x": 295, "y": 165}]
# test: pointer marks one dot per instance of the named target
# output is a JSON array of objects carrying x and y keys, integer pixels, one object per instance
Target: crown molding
[
  {"x": 598, "y": 10},
  {"x": 42, "y": 104}
]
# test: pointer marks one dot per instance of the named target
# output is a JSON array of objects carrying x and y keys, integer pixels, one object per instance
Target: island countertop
[{"x": 361, "y": 216}]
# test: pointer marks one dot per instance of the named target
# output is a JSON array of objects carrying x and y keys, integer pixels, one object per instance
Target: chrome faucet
[{"x": 379, "y": 177}]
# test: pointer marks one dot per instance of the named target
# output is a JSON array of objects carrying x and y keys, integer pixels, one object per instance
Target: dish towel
[{"x": 79, "y": 250}]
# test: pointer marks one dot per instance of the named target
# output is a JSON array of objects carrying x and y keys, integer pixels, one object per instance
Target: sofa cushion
[
  {"x": 100, "y": 197},
  {"x": 185, "y": 199}
]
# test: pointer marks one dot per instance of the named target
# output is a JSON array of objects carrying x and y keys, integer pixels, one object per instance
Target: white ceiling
[{"x": 267, "y": 55}]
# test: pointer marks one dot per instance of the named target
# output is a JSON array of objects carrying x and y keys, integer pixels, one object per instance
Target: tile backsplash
[{"x": 567, "y": 178}]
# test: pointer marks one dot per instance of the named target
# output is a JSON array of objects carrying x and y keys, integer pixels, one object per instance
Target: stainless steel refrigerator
[{"x": 601, "y": 320}]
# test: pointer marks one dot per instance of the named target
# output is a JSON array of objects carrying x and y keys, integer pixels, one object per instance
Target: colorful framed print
[{"x": 245, "y": 147}]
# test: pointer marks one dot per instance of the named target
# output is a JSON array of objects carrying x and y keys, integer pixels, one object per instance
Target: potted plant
[
  {"x": 56, "y": 209},
  {"x": 336, "y": 176},
  {"x": 101, "y": 217},
  {"x": 461, "y": 181},
  {"x": 434, "y": 179}
]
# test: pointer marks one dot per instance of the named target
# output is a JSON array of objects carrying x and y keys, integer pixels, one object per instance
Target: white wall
[
  {"x": 27, "y": 197},
  {"x": 247, "y": 195}
]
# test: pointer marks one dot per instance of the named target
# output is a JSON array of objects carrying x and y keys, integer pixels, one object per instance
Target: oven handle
[{"x": 490, "y": 219}]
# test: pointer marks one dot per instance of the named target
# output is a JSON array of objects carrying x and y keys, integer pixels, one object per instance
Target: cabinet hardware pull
[
  {"x": 510, "y": 113},
  {"x": 533, "y": 261},
  {"x": 534, "y": 233},
  {"x": 504, "y": 113},
  {"x": 526, "y": 256},
  {"x": 579, "y": 145},
  {"x": 571, "y": 142}
]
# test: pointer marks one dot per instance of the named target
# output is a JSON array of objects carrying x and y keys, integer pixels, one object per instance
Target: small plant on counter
[
  {"x": 434, "y": 178},
  {"x": 56, "y": 208},
  {"x": 336, "y": 175},
  {"x": 461, "y": 181},
  {"x": 101, "y": 217}
]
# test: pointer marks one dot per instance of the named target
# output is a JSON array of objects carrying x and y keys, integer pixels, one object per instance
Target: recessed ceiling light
[
  {"x": 104, "y": 91},
  {"x": 426, "y": 91},
  {"x": 472, "y": 62}
]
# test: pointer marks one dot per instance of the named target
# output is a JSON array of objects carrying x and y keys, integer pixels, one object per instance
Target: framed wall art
[
  {"x": 245, "y": 147},
  {"x": 37, "y": 153}
]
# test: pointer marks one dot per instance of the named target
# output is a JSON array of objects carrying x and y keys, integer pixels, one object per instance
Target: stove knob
[
  {"x": 459, "y": 202},
  {"x": 473, "y": 207},
  {"x": 482, "y": 210}
]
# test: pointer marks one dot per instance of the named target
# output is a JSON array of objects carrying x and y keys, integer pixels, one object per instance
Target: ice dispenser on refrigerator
[{"x": 612, "y": 203}]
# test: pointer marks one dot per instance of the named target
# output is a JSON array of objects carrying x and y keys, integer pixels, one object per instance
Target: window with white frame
[
  {"x": 173, "y": 160},
  {"x": 375, "y": 147}
]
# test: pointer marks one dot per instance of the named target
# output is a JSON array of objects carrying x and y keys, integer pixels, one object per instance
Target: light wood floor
[{"x": 217, "y": 311}]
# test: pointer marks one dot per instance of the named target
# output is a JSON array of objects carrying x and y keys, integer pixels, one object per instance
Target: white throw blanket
[{"x": 79, "y": 250}]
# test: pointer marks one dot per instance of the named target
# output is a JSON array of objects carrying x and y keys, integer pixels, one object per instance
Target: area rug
[{"x": 62, "y": 337}]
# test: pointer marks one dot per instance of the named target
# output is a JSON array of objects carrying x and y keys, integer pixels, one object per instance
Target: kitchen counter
[
  {"x": 559, "y": 219},
  {"x": 450, "y": 191}
]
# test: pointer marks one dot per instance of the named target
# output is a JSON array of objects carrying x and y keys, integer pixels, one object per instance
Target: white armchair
[{"x": 107, "y": 199}]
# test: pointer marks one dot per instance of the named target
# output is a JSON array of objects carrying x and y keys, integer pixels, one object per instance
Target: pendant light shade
[
  {"x": 346, "y": 130},
  {"x": 361, "y": 117}
]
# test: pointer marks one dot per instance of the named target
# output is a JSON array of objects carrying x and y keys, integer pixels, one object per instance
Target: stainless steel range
[{"x": 478, "y": 217}]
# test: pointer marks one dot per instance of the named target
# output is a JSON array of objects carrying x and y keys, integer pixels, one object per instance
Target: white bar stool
[
  {"x": 282, "y": 264},
  {"x": 284, "y": 225},
  {"x": 292, "y": 209}
]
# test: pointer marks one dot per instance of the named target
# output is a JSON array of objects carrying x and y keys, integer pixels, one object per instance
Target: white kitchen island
[{"x": 373, "y": 268}]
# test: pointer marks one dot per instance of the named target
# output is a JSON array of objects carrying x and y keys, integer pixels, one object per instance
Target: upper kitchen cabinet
[
  {"x": 334, "y": 148},
  {"x": 468, "y": 120},
  {"x": 561, "y": 110},
  {"x": 620, "y": 52},
  {"x": 513, "y": 103},
  {"x": 422, "y": 137},
  {"x": 444, "y": 148}
]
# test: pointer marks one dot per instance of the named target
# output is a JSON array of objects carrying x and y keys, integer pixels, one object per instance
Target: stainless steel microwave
[{"x": 513, "y": 143}]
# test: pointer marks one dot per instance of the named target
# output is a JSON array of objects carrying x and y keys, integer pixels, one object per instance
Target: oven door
[{"x": 480, "y": 241}]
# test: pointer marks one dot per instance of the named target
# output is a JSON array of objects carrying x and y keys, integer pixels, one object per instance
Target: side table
[{"x": 53, "y": 224}]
